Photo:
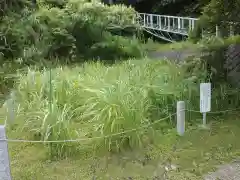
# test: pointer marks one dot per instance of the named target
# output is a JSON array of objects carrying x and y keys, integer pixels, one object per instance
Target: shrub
[
  {"x": 215, "y": 50},
  {"x": 116, "y": 47},
  {"x": 79, "y": 29},
  {"x": 221, "y": 13},
  {"x": 69, "y": 31}
]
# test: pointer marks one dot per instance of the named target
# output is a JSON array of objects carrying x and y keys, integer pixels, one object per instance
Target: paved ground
[
  {"x": 226, "y": 172},
  {"x": 175, "y": 55}
]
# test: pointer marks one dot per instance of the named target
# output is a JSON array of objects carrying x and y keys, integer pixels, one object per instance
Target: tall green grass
[{"x": 95, "y": 100}]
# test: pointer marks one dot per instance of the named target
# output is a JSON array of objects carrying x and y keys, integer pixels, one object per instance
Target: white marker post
[
  {"x": 4, "y": 157},
  {"x": 180, "y": 118},
  {"x": 205, "y": 100}
]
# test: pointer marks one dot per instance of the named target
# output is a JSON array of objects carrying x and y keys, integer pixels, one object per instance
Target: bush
[
  {"x": 215, "y": 50},
  {"x": 221, "y": 13},
  {"x": 116, "y": 47},
  {"x": 70, "y": 31},
  {"x": 78, "y": 29}
]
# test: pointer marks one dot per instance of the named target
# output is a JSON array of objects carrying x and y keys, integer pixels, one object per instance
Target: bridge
[{"x": 165, "y": 27}]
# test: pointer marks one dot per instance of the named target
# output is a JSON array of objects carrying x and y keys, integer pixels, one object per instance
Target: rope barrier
[
  {"x": 111, "y": 135},
  {"x": 87, "y": 139},
  {"x": 214, "y": 112}
]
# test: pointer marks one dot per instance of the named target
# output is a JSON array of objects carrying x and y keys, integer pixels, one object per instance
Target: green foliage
[
  {"x": 221, "y": 13},
  {"x": 70, "y": 31},
  {"x": 97, "y": 100},
  {"x": 54, "y": 3},
  {"x": 7, "y": 6},
  {"x": 215, "y": 55},
  {"x": 211, "y": 67},
  {"x": 116, "y": 47}
]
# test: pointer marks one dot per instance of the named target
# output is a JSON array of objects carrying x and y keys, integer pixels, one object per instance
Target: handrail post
[
  {"x": 160, "y": 22},
  {"x": 151, "y": 20},
  {"x": 173, "y": 23},
  {"x": 182, "y": 23},
  {"x": 168, "y": 23},
  {"x": 144, "y": 20},
  {"x": 193, "y": 24},
  {"x": 189, "y": 25},
  {"x": 179, "y": 23}
]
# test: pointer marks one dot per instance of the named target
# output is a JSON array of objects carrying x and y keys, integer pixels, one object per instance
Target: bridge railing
[
  {"x": 155, "y": 23},
  {"x": 174, "y": 24}
]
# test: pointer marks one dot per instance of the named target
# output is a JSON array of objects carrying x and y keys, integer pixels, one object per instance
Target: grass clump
[{"x": 96, "y": 100}]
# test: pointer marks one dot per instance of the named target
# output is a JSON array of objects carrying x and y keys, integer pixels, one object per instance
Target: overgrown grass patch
[{"x": 96, "y": 100}]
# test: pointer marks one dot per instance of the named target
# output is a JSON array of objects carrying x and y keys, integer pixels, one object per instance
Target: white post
[
  {"x": 144, "y": 20},
  {"x": 5, "y": 173},
  {"x": 179, "y": 23},
  {"x": 173, "y": 23},
  {"x": 180, "y": 117},
  {"x": 160, "y": 22},
  {"x": 182, "y": 26},
  {"x": 217, "y": 31},
  {"x": 157, "y": 21},
  {"x": 193, "y": 24},
  {"x": 169, "y": 24},
  {"x": 189, "y": 25},
  {"x": 151, "y": 20}
]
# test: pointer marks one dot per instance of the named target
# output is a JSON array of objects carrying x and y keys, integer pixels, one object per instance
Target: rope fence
[
  {"x": 180, "y": 114},
  {"x": 116, "y": 134}
]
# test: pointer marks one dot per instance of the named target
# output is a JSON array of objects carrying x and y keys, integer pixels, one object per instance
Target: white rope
[
  {"x": 111, "y": 135},
  {"x": 215, "y": 112},
  {"x": 87, "y": 139}
]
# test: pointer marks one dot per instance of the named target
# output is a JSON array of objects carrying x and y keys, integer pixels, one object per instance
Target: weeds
[{"x": 98, "y": 100}]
